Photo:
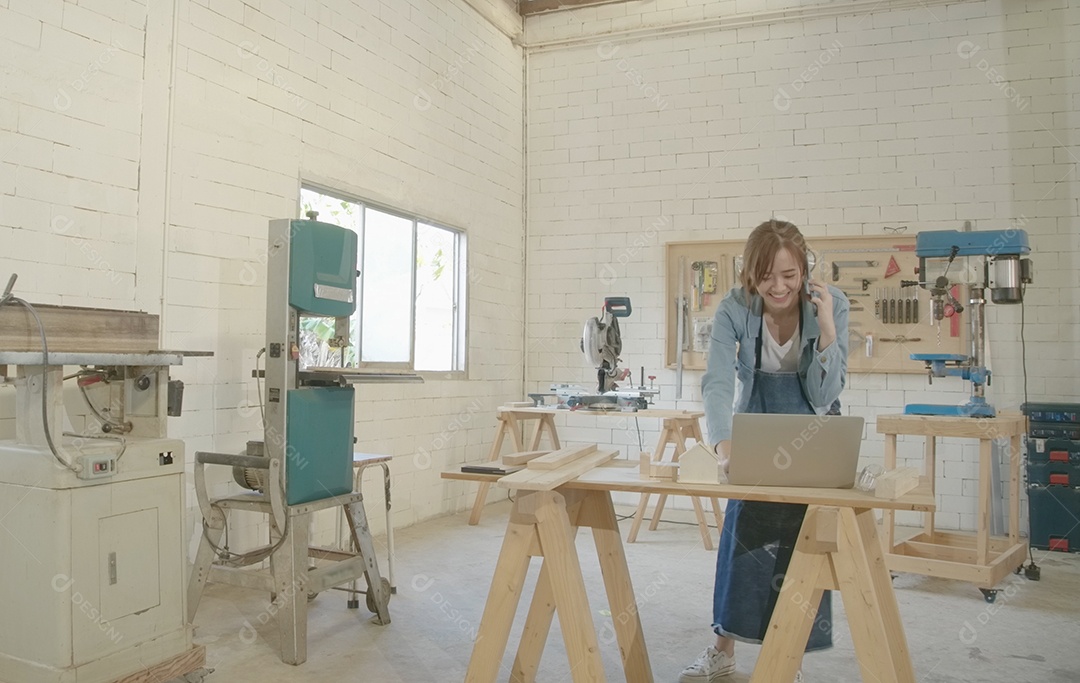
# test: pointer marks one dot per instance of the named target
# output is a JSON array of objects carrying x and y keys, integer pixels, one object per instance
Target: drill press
[{"x": 980, "y": 260}]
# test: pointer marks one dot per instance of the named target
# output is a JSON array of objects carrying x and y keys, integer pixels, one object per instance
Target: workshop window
[{"x": 411, "y": 287}]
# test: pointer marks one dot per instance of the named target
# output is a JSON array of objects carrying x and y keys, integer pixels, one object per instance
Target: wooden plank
[
  {"x": 493, "y": 455},
  {"x": 639, "y": 515},
  {"x": 1015, "y": 455},
  {"x": 896, "y": 482},
  {"x": 934, "y": 551},
  {"x": 623, "y": 476},
  {"x": 561, "y": 457},
  {"x": 703, "y": 527},
  {"x": 930, "y": 468},
  {"x": 174, "y": 667},
  {"x": 74, "y": 329},
  {"x": 568, "y": 586},
  {"x": 502, "y": 600},
  {"x": 866, "y": 532},
  {"x": 957, "y": 571},
  {"x": 531, "y": 413},
  {"x": 522, "y": 458},
  {"x": 962, "y": 427},
  {"x": 869, "y": 631},
  {"x": 599, "y": 513},
  {"x": 888, "y": 522},
  {"x": 537, "y": 627},
  {"x": 821, "y": 528},
  {"x": 1006, "y": 563},
  {"x": 982, "y": 514},
  {"x": 546, "y": 480},
  {"x": 961, "y": 539},
  {"x": 792, "y": 618}
]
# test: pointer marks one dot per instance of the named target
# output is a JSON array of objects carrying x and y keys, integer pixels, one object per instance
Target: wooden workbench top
[
  {"x": 1004, "y": 425},
  {"x": 651, "y": 412},
  {"x": 625, "y": 477}
]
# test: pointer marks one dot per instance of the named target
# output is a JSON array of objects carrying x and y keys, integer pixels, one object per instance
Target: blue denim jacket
[{"x": 729, "y": 377}]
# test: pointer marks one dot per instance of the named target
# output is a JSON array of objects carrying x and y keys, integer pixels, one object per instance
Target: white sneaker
[
  {"x": 798, "y": 676},
  {"x": 709, "y": 667}
]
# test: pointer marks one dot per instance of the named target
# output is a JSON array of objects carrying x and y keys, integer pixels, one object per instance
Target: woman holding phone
[{"x": 779, "y": 345}]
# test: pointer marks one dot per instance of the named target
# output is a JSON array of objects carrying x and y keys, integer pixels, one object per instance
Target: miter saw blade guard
[{"x": 601, "y": 343}]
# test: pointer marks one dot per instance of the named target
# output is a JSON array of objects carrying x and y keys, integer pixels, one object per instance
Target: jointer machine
[{"x": 92, "y": 541}]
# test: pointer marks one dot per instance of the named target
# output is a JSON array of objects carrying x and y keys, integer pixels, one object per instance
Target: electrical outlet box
[{"x": 97, "y": 466}]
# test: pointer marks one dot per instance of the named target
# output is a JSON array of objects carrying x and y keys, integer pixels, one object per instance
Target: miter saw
[
  {"x": 601, "y": 342},
  {"x": 980, "y": 260}
]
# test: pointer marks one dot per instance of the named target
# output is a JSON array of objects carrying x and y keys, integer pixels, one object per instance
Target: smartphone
[{"x": 807, "y": 293}]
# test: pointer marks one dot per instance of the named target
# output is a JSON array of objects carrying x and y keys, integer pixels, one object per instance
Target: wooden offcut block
[
  {"x": 522, "y": 458},
  {"x": 895, "y": 483}
]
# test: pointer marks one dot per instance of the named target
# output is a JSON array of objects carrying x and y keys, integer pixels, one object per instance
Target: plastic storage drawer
[
  {"x": 1053, "y": 450},
  {"x": 1054, "y": 474},
  {"x": 1055, "y": 518}
]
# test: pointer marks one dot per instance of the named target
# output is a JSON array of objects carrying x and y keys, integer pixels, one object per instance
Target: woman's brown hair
[{"x": 761, "y": 248}]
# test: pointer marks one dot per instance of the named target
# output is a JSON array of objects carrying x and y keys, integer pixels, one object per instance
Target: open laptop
[{"x": 819, "y": 451}]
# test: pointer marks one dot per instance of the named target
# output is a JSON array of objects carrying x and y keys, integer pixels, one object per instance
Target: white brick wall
[
  {"x": 923, "y": 115},
  {"x": 417, "y": 105}
]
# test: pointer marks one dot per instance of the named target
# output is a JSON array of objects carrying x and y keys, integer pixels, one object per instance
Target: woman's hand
[
  {"x": 822, "y": 300},
  {"x": 723, "y": 451}
]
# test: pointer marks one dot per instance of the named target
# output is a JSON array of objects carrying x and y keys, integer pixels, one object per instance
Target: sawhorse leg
[
  {"x": 507, "y": 423},
  {"x": 676, "y": 431},
  {"x": 838, "y": 548},
  {"x": 510, "y": 422},
  {"x": 541, "y": 524}
]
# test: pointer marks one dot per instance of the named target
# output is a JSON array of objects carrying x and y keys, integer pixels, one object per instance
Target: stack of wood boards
[{"x": 548, "y": 471}]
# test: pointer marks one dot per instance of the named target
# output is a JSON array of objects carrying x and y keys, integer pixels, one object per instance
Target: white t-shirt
[{"x": 776, "y": 357}]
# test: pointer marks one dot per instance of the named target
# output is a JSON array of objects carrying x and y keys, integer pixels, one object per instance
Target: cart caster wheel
[
  {"x": 989, "y": 594},
  {"x": 369, "y": 598},
  {"x": 353, "y": 604}
]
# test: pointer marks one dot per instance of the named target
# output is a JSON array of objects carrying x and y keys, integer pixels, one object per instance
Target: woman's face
[{"x": 782, "y": 285}]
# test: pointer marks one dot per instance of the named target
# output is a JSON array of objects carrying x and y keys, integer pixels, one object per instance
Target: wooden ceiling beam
[{"x": 528, "y": 7}]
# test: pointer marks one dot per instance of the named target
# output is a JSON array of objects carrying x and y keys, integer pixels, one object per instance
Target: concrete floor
[{"x": 443, "y": 570}]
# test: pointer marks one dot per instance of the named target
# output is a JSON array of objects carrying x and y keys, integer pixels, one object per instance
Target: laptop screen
[{"x": 817, "y": 451}]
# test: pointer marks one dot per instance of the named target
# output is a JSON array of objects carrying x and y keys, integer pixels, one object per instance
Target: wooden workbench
[
  {"x": 676, "y": 428},
  {"x": 838, "y": 549},
  {"x": 979, "y": 558}
]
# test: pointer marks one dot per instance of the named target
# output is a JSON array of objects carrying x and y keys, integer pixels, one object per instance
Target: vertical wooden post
[
  {"x": 930, "y": 468},
  {"x": 982, "y": 540}
]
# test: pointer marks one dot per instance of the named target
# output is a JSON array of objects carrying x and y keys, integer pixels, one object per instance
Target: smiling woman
[{"x": 772, "y": 350}]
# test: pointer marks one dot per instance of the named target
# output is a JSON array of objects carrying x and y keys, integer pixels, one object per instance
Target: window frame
[{"x": 460, "y": 305}]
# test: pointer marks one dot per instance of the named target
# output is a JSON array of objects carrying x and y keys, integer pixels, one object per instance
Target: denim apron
[{"x": 759, "y": 537}]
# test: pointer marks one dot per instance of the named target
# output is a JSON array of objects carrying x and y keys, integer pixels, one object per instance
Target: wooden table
[
  {"x": 979, "y": 558},
  {"x": 838, "y": 549},
  {"x": 676, "y": 428}
]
